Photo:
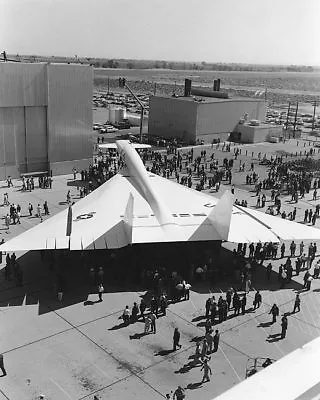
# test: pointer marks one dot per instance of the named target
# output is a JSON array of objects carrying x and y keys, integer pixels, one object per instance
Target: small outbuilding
[{"x": 255, "y": 132}]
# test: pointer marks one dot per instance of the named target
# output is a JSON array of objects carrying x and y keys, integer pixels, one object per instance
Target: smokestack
[
  {"x": 187, "y": 87},
  {"x": 218, "y": 84},
  {"x": 215, "y": 85},
  {"x": 209, "y": 93}
]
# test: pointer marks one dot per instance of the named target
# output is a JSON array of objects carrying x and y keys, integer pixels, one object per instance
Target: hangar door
[
  {"x": 12, "y": 135},
  {"x": 36, "y": 139}
]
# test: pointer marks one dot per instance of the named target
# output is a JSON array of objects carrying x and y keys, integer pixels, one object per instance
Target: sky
[{"x": 241, "y": 31}]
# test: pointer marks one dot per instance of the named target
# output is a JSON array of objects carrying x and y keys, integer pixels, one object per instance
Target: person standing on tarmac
[
  {"x": 257, "y": 300},
  {"x": 179, "y": 394},
  {"x": 206, "y": 371},
  {"x": 143, "y": 307},
  {"x": 284, "y": 326},
  {"x": 176, "y": 339},
  {"x": 275, "y": 312},
  {"x": 296, "y": 303},
  {"x": 243, "y": 304},
  {"x": 216, "y": 339}
]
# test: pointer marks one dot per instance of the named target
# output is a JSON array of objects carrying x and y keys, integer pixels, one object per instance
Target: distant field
[
  {"x": 307, "y": 82},
  {"x": 298, "y": 86}
]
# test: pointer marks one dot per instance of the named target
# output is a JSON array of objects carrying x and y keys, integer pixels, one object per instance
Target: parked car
[{"x": 125, "y": 124}]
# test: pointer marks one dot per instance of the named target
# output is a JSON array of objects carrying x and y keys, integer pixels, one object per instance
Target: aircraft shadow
[
  {"x": 223, "y": 276},
  {"x": 43, "y": 271},
  {"x": 41, "y": 276}
]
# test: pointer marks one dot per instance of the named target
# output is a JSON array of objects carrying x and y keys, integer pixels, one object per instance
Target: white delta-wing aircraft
[
  {"x": 295, "y": 376},
  {"x": 137, "y": 206}
]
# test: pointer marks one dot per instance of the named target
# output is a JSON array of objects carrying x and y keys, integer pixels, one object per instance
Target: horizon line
[{"x": 162, "y": 60}]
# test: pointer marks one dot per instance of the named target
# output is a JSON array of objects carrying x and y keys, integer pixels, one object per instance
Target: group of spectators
[
  {"x": 13, "y": 269},
  {"x": 14, "y": 216}
]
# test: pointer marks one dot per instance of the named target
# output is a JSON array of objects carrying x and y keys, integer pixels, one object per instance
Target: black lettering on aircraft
[{"x": 209, "y": 205}]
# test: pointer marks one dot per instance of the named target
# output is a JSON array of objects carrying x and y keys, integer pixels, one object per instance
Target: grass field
[{"x": 298, "y": 86}]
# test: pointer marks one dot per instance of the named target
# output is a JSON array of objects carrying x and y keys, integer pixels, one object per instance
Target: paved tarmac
[{"x": 77, "y": 349}]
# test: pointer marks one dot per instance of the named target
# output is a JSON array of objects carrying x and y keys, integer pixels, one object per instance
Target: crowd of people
[
  {"x": 14, "y": 215},
  {"x": 206, "y": 171},
  {"x": 246, "y": 258},
  {"x": 169, "y": 287},
  {"x": 13, "y": 270}
]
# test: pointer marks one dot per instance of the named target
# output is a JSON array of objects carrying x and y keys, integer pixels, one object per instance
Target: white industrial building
[
  {"x": 194, "y": 118},
  {"x": 256, "y": 132},
  {"x": 45, "y": 117}
]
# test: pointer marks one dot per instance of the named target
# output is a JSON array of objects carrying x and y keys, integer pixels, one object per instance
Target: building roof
[
  {"x": 262, "y": 125},
  {"x": 203, "y": 99}
]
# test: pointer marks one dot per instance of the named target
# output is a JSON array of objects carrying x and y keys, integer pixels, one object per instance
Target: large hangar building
[
  {"x": 45, "y": 118},
  {"x": 196, "y": 116}
]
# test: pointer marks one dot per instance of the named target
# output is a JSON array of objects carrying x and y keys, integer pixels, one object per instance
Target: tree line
[{"x": 162, "y": 64}]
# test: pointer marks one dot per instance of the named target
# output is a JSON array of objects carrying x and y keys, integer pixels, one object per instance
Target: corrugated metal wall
[
  {"x": 23, "y": 139},
  {"x": 170, "y": 117},
  {"x": 34, "y": 126},
  {"x": 223, "y": 116},
  {"x": 12, "y": 130},
  {"x": 22, "y": 85},
  {"x": 69, "y": 112},
  {"x": 36, "y": 138}
]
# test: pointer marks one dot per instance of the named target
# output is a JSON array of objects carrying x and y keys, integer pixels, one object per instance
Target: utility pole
[
  {"x": 155, "y": 89},
  {"x": 315, "y": 104},
  {"x": 288, "y": 113},
  {"x": 295, "y": 119},
  {"x": 123, "y": 84},
  {"x": 108, "y": 85}
]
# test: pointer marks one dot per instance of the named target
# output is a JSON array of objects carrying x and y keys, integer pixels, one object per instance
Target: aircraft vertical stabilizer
[
  {"x": 128, "y": 218},
  {"x": 220, "y": 216}
]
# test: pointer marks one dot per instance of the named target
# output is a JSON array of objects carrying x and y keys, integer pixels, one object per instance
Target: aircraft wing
[
  {"x": 136, "y": 206},
  {"x": 285, "y": 229},
  {"x": 120, "y": 212},
  {"x": 92, "y": 218},
  {"x": 296, "y": 376},
  {"x": 117, "y": 214}
]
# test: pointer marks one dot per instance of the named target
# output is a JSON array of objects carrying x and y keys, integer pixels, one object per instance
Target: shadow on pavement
[
  {"x": 91, "y": 303},
  {"x": 44, "y": 275},
  {"x": 187, "y": 367},
  {"x": 76, "y": 183},
  {"x": 44, "y": 272},
  {"x": 119, "y": 326},
  {"x": 193, "y": 386},
  {"x": 197, "y": 338},
  {"x": 164, "y": 352},
  {"x": 265, "y": 324},
  {"x": 198, "y": 318},
  {"x": 223, "y": 276},
  {"x": 274, "y": 338},
  {"x": 138, "y": 335}
]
